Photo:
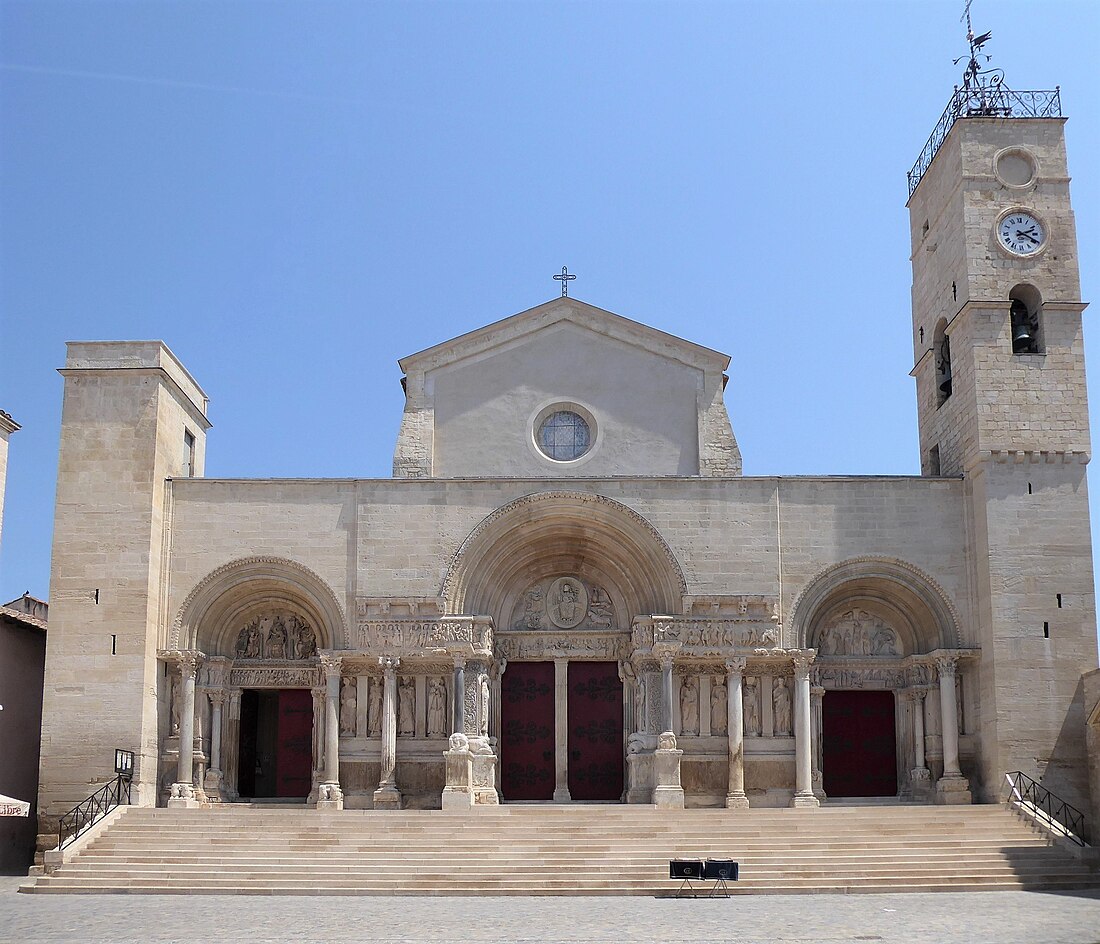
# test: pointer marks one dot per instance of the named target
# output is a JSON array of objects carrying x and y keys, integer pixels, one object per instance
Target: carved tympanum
[
  {"x": 857, "y": 633},
  {"x": 563, "y": 603},
  {"x": 278, "y": 634}
]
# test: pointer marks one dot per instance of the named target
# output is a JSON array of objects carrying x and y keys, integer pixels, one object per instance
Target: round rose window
[{"x": 564, "y": 435}]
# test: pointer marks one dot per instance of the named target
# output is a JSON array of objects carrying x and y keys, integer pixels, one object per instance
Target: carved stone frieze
[
  {"x": 575, "y": 645},
  {"x": 406, "y": 636},
  {"x": 563, "y": 603},
  {"x": 844, "y": 676},
  {"x": 704, "y": 638},
  {"x": 275, "y": 677}
]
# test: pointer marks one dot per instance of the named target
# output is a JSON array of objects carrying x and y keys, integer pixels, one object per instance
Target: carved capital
[
  {"x": 331, "y": 663},
  {"x": 802, "y": 660},
  {"x": 217, "y": 699},
  {"x": 189, "y": 661},
  {"x": 389, "y": 665},
  {"x": 736, "y": 666},
  {"x": 947, "y": 665}
]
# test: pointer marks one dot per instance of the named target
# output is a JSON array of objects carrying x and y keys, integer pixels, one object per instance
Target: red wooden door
[
  {"x": 595, "y": 731},
  {"x": 858, "y": 744},
  {"x": 527, "y": 731},
  {"x": 294, "y": 746}
]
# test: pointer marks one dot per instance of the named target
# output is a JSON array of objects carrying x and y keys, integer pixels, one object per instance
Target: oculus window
[{"x": 564, "y": 436}]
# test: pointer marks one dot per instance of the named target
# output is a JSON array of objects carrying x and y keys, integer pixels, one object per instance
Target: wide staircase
[{"x": 563, "y": 850}]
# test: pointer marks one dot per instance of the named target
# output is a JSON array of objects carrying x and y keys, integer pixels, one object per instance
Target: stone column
[
  {"x": 318, "y": 777},
  {"x": 561, "y": 731},
  {"x": 329, "y": 794},
  {"x": 817, "y": 695},
  {"x": 920, "y": 776},
  {"x": 183, "y": 790},
  {"x": 387, "y": 796},
  {"x": 232, "y": 747},
  {"x": 952, "y": 787},
  {"x": 213, "y": 784},
  {"x": 666, "y": 691},
  {"x": 804, "y": 792},
  {"x": 736, "y": 798},
  {"x": 458, "y": 689}
]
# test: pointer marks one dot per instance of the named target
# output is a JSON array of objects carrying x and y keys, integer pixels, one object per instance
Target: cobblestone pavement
[{"x": 961, "y": 918}]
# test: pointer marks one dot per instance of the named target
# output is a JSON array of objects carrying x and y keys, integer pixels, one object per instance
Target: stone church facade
[{"x": 569, "y": 592}]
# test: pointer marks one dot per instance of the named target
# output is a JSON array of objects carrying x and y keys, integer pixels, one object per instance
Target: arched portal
[
  {"x": 875, "y": 623},
  {"x": 563, "y": 575}
]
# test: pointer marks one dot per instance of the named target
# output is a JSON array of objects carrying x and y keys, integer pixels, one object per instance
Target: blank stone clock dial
[{"x": 1021, "y": 233}]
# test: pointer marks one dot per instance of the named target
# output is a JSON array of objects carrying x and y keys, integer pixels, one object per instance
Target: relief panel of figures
[
  {"x": 422, "y": 706},
  {"x": 278, "y": 634}
]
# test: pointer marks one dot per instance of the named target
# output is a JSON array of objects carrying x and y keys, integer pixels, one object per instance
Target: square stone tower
[
  {"x": 132, "y": 417},
  {"x": 1001, "y": 396}
]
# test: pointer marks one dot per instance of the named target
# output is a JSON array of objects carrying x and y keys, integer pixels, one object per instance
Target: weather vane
[
  {"x": 971, "y": 75},
  {"x": 565, "y": 278}
]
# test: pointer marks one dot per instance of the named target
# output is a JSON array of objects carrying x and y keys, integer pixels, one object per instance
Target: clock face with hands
[{"x": 1021, "y": 233}]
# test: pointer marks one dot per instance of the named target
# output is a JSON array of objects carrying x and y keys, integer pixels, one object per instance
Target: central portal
[
  {"x": 276, "y": 752},
  {"x": 591, "y": 739},
  {"x": 858, "y": 744}
]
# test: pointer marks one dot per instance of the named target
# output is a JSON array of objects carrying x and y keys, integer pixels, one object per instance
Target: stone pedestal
[
  {"x": 330, "y": 796},
  {"x": 667, "y": 794},
  {"x": 921, "y": 781},
  {"x": 953, "y": 791},
  {"x": 483, "y": 765},
  {"x": 183, "y": 797},
  {"x": 458, "y": 793},
  {"x": 212, "y": 785}
]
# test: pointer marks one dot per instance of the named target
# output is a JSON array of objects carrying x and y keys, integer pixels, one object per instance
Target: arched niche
[
  {"x": 564, "y": 533},
  {"x": 900, "y": 595},
  {"x": 232, "y": 596}
]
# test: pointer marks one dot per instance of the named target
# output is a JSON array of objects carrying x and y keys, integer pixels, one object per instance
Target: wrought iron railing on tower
[
  {"x": 1036, "y": 802},
  {"x": 992, "y": 100}
]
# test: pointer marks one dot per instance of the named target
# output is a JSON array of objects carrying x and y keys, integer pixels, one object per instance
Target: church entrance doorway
[
  {"x": 595, "y": 731},
  {"x": 858, "y": 744},
  {"x": 276, "y": 746},
  {"x": 527, "y": 731}
]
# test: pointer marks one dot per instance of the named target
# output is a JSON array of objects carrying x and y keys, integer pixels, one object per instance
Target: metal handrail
[
  {"x": 993, "y": 100},
  {"x": 92, "y": 810},
  {"x": 1057, "y": 816}
]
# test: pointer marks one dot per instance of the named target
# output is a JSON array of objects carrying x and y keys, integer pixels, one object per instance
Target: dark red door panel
[
  {"x": 527, "y": 731},
  {"x": 858, "y": 744},
  {"x": 595, "y": 731},
  {"x": 294, "y": 753}
]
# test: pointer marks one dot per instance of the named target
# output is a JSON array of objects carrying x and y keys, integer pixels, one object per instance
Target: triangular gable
[{"x": 526, "y": 323}]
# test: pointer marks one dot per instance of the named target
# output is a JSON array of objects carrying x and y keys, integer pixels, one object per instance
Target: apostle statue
[
  {"x": 406, "y": 707},
  {"x": 689, "y": 706},
  {"x": 781, "y": 707},
  {"x": 374, "y": 708},
  {"x": 751, "y": 705},
  {"x": 437, "y": 707},
  {"x": 718, "y": 706},
  {"x": 347, "y": 706}
]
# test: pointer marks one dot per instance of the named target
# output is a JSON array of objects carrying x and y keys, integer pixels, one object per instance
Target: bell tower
[{"x": 1000, "y": 374}]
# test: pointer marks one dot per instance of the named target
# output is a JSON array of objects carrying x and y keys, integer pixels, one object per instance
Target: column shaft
[
  {"x": 185, "y": 768},
  {"x": 804, "y": 791},
  {"x": 389, "y": 724},
  {"x": 332, "y": 728},
  {"x": 735, "y": 728},
  {"x": 949, "y": 721},
  {"x": 918, "y": 729},
  {"x": 459, "y": 690},
  {"x": 666, "y": 694},
  {"x": 216, "y": 732},
  {"x": 561, "y": 731}
]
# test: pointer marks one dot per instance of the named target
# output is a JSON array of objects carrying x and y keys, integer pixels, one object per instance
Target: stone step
[{"x": 560, "y": 850}]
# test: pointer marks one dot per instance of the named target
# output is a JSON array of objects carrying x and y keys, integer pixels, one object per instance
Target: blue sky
[{"x": 295, "y": 195}]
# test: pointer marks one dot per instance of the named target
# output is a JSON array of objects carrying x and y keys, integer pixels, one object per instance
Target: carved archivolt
[
  {"x": 231, "y": 586},
  {"x": 610, "y": 525},
  {"x": 898, "y": 579}
]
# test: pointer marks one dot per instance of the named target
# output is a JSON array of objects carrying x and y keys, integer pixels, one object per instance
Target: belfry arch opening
[
  {"x": 1025, "y": 319},
  {"x": 941, "y": 352}
]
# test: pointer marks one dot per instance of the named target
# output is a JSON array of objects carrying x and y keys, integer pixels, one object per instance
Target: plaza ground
[{"x": 960, "y": 918}]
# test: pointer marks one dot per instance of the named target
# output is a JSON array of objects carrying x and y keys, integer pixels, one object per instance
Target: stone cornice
[{"x": 7, "y": 424}]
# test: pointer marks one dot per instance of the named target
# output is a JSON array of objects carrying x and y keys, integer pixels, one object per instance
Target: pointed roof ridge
[{"x": 612, "y": 325}]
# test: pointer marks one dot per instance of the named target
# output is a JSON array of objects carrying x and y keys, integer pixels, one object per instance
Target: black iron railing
[
  {"x": 1036, "y": 801},
  {"x": 89, "y": 811},
  {"x": 991, "y": 100}
]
